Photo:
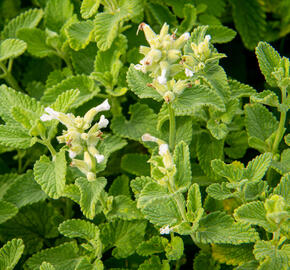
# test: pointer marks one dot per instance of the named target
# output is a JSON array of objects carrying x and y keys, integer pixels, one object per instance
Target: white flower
[
  {"x": 52, "y": 114},
  {"x": 105, "y": 106},
  {"x": 165, "y": 230},
  {"x": 148, "y": 138},
  {"x": 185, "y": 36},
  {"x": 103, "y": 123},
  {"x": 163, "y": 149},
  {"x": 207, "y": 37},
  {"x": 188, "y": 72},
  {"x": 72, "y": 154},
  {"x": 162, "y": 79},
  {"x": 138, "y": 67},
  {"x": 99, "y": 158}
]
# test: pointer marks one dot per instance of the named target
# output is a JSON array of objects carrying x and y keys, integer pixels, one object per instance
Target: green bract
[{"x": 125, "y": 151}]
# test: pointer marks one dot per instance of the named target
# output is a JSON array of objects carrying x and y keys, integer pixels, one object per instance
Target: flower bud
[
  {"x": 148, "y": 138},
  {"x": 276, "y": 209},
  {"x": 103, "y": 123},
  {"x": 179, "y": 43},
  {"x": 105, "y": 106},
  {"x": 168, "y": 97},
  {"x": 52, "y": 114},
  {"x": 165, "y": 230},
  {"x": 149, "y": 33},
  {"x": 188, "y": 72},
  {"x": 99, "y": 158},
  {"x": 91, "y": 176}
]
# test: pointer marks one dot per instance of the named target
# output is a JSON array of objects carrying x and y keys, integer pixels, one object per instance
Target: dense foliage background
[{"x": 71, "y": 55}]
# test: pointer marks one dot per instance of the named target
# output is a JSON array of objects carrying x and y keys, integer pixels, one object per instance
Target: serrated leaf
[
  {"x": 136, "y": 164},
  {"x": 124, "y": 208},
  {"x": 269, "y": 59},
  {"x": 27, "y": 19},
  {"x": 220, "y": 34},
  {"x": 138, "y": 83},
  {"x": 218, "y": 130},
  {"x": 11, "y": 48},
  {"x": 160, "y": 14},
  {"x": 270, "y": 256},
  {"x": 208, "y": 148},
  {"x": 254, "y": 213},
  {"x": 220, "y": 191},
  {"x": 46, "y": 266},
  {"x": 62, "y": 257},
  {"x": 73, "y": 228},
  {"x": 57, "y": 12},
  {"x": 154, "y": 263},
  {"x": 250, "y": 20},
  {"x": 233, "y": 172},
  {"x": 238, "y": 144},
  {"x": 239, "y": 90},
  {"x": 24, "y": 191},
  {"x": 72, "y": 191},
  {"x": 189, "y": 13},
  {"x": 7, "y": 211},
  {"x": 65, "y": 100},
  {"x": 50, "y": 175},
  {"x": 123, "y": 235},
  {"x": 218, "y": 227},
  {"x": 283, "y": 188},
  {"x": 181, "y": 158},
  {"x": 90, "y": 195},
  {"x": 267, "y": 97},
  {"x": 175, "y": 248},
  {"x": 216, "y": 7},
  {"x": 257, "y": 167},
  {"x": 143, "y": 120},
  {"x": 36, "y": 42},
  {"x": 193, "y": 200},
  {"x": 32, "y": 227},
  {"x": 6, "y": 180},
  {"x": 15, "y": 136},
  {"x": 155, "y": 244},
  {"x": 233, "y": 255},
  {"x": 86, "y": 86},
  {"x": 282, "y": 166},
  {"x": 89, "y": 8},
  {"x": 80, "y": 34},
  {"x": 139, "y": 183},
  {"x": 56, "y": 76},
  {"x": 195, "y": 97},
  {"x": 10, "y": 254},
  {"x": 205, "y": 261},
  {"x": 120, "y": 186}
]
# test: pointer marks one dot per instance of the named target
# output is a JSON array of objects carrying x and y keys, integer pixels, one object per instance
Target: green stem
[
  {"x": 171, "y": 127},
  {"x": 8, "y": 77},
  {"x": 48, "y": 145},
  {"x": 280, "y": 131}
]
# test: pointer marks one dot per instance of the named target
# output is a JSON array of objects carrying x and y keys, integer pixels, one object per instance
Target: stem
[
  {"x": 8, "y": 77},
  {"x": 171, "y": 127},
  {"x": 280, "y": 131},
  {"x": 48, "y": 145}
]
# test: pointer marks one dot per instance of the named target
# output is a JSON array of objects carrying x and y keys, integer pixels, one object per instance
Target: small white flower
[
  {"x": 162, "y": 79},
  {"x": 99, "y": 158},
  {"x": 163, "y": 149},
  {"x": 186, "y": 36},
  {"x": 105, "y": 106},
  {"x": 103, "y": 123},
  {"x": 72, "y": 154},
  {"x": 188, "y": 72},
  {"x": 52, "y": 114},
  {"x": 207, "y": 37},
  {"x": 148, "y": 138},
  {"x": 138, "y": 67},
  {"x": 165, "y": 230}
]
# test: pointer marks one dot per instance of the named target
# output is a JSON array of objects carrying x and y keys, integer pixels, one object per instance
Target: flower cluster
[{"x": 81, "y": 136}]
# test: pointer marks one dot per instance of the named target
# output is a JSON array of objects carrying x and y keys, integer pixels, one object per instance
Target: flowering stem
[
  {"x": 171, "y": 127},
  {"x": 8, "y": 77}
]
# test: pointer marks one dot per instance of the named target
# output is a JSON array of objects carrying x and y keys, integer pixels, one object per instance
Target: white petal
[
  {"x": 99, "y": 158},
  {"x": 52, "y": 112},
  {"x": 188, "y": 72},
  {"x": 207, "y": 37},
  {"x": 148, "y": 138},
  {"x": 165, "y": 230},
  {"x": 186, "y": 36},
  {"x": 105, "y": 106},
  {"x": 138, "y": 67},
  {"x": 103, "y": 123},
  {"x": 46, "y": 117},
  {"x": 72, "y": 154},
  {"x": 163, "y": 149}
]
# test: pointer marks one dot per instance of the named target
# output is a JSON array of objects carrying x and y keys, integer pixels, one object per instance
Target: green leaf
[
  {"x": 27, "y": 19},
  {"x": 56, "y": 76},
  {"x": 233, "y": 255},
  {"x": 123, "y": 235},
  {"x": 250, "y": 20},
  {"x": 143, "y": 120},
  {"x": 218, "y": 130},
  {"x": 181, "y": 158},
  {"x": 6, "y": 180},
  {"x": 282, "y": 166},
  {"x": 175, "y": 248},
  {"x": 283, "y": 188},
  {"x": 155, "y": 244},
  {"x": 251, "y": 265},
  {"x": 189, "y": 13},
  {"x": 205, "y": 261},
  {"x": 15, "y": 136},
  {"x": 254, "y": 213},
  {"x": 220, "y": 34},
  {"x": 239, "y": 90},
  {"x": 124, "y": 208},
  {"x": 136, "y": 164},
  {"x": 11, "y": 48},
  {"x": 238, "y": 144},
  {"x": 267, "y": 97},
  {"x": 24, "y": 191},
  {"x": 160, "y": 14},
  {"x": 260, "y": 123},
  {"x": 220, "y": 191},
  {"x": 89, "y": 8},
  {"x": 80, "y": 34},
  {"x": 269, "y": 59},
  {"x": 120, "y": 186},
  {"x": 10, "y": 254},
  {"x": 90, "y": 195},
  {"x": 72, "y": 191},
  {"x": 257, "y": 167},
  {"x": 86, "y": 86},
  {"x": 218, "y": 227},
  {"x": 73, "y": 228},
  {"x": 33, "y": 228},
  {"x": 64, "y": 101},
  {"x": 57, "y": 12},
  {"x": 139, "y": 183},
  {"x": 36, "y": 42},
  {"x": 271, "y": 257},
  {"x": 62, "y": 257},
  {"x": 7, "y": 211},
  {"x": 195, "y": 97},
  {"x": 194, "y": 204},
  {"x": 138, "y": 83},
  {"x": 208, "y": 148},
  {"x": 154, "y": 263},
  {"x": 46, "y": 266},
  {"x": 233, "y": 172},
  {"x": 50, "y": 175},
  {"x": 216, "y": 7}
]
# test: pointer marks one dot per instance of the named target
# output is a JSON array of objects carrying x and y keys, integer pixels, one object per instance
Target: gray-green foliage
[{"x": 189, "y": 156}]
